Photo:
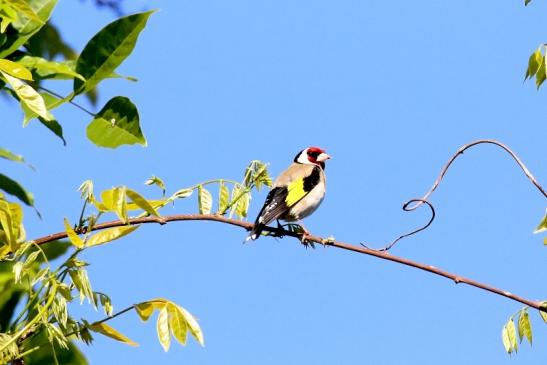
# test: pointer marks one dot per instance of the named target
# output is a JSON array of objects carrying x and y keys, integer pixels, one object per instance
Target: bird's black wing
[{"x": 274, "y": 207}]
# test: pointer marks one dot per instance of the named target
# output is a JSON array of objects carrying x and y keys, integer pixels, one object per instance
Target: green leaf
[
  {"x": 116, "y": 124},
  {"x": 205, "y": 200},
  {"x": 26, "y": 26},
  {"x": 23, "y": 7},
  {"x": 14, "y": 188},
  {"x": 108, "y": 331},
  {"x": 15, "y": 69},
  {"x": 223, "y": 198},
  {"x": 141, "y": 202},
  {"x": 109, "y": 235},
  {"x": 506, "y": 341},
  {"x": 512, "y": 333},
  {"x": 10, "y": 156},
  {"x": 11, "y": 216},
  {"x": 525, "y": 328},
  {"x": 542, "y": 227},
  {"x": 55, "y": 127},
  {"x": 28, "y": 96},
  {"x": 177, "y": 323},
  {"x": 108, "y": 49},
  {"x": 526, "y": 2},
  {"x": 73, "y": 236},
  {"x": 163, "y": 329},
  {"x": 46, "y": 69}
]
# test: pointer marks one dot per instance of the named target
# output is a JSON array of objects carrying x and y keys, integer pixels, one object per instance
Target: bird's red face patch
[{"x": 313, "y": 153}]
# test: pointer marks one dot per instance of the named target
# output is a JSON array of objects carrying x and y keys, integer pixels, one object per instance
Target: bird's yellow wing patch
[{"x": 295, "y": 192}]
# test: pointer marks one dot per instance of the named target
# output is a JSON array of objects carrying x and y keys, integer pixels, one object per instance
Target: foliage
[{"x": 36, "y": 325}]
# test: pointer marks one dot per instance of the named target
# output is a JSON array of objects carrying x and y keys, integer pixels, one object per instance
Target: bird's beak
[{"x": 323, "y": 157}]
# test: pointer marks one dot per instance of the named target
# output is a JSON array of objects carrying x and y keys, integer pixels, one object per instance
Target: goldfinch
[{"x": 297, "y": 192}]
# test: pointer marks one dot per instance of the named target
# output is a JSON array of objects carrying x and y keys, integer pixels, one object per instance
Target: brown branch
[{"x": 316, "y": 239}]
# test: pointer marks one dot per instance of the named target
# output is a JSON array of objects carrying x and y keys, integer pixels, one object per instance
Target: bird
[{"x": 296, "y": 193}]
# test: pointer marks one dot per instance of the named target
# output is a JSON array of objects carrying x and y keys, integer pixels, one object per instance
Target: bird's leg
[{"x": 304, "y": 236}]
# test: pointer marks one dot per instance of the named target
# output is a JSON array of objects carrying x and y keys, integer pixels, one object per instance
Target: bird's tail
[{"x": 256, "y": 232}]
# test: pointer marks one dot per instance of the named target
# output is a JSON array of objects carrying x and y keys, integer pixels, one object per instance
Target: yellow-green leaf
[
  {"x": 205, "y": 200},
  {"x": 144, "y": 310},
  {"x": 115, "y": 200},
  {"x": 223, "y": 198},
  {"x": 542, "y": 227},
  {"x": 72, "y": 236},
  {"x": 506, "y": 341},
  {"x": 108, "y": 331},
  {"x": 163, "y": 329},
  {"x": 15, "y": 69},
  {"x": 28, "y": 96},
  {"x": 512, "y": 333},
  {"x": 109, "y": 235},
  {"x": 141, "y": 202},
  {"x": 525, "y": 328},
  {"x": 243, "y": 205},
  {"x": 193, "y": 325},
  {"x": 177, "y": 322},
  {"x": 23, "y": 7}
]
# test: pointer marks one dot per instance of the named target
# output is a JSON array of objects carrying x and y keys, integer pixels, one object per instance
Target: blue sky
[{"x": 390, "y": 90}]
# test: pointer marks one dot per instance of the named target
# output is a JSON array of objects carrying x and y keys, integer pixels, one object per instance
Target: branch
[{"x": 316, "y": 239}]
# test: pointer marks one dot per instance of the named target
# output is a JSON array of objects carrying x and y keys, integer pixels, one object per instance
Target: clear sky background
[{"x": 390, "y": 90}]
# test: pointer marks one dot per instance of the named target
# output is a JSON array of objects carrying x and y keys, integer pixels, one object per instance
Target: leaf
[
  {"x": 533, "y": 64},
  {"x": 46, "y": 69},
  {"x": 205, "y": 200},
  {"x": 26, "y": 26},
  {"x": 23, "y": 7},
  {"x": 154, "y": 180},
  {"x": 50, "y": 101},
  {"x": 506, "y": 341},
  {"x": 81, "y": 282},
  {"x": 12, "y": 187},
  {"x": 108, "y": 49},
  {"x": 10, "y": 156},
  {"x": 542, "y": 227},
  {"x": 512, "y": 333},
  {"x": 541, "y": 74},
  {"x": 526, "y": 2},
  {"x": 72, "y": 236},
  {"x": 144, "y": 310},
  {"x": 177, "y": 323},
  {"x": 86, "y": 189},
  {"x": 163, "y": 329},
  {"x": 106, "y": 303},
  {"x": 182, "y": 193},
  {"x": 193, "y": 325},
  {"x": 28, "y": 96},
  {"x": 525, "y": 328},
  {"x": 223, "y": 198},
  {"x": 55, "y": 127},
  {"x": 15, "y": 69},
  {"x": 141, "y": 202},
  {"x": 114, "y": 200},
  {"x": 109, "y": 235},
  {"x": 116, "y": 124},
  {"x": 108, "y": 331},
  {"x": 242, "y": 205}
]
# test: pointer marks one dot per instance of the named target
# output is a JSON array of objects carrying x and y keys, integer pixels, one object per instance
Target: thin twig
[
  {"x": 407, "y": 207},
  {"x": 316, "y": 239}
]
